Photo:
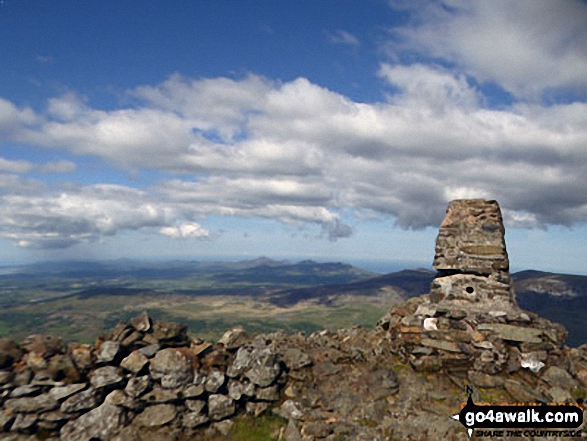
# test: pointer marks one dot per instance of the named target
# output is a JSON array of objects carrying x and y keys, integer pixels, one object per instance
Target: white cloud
[
  {"x": 21, "y": 166},
  {"x": 297, "y": 153},
  {"x": 342, "y": 37},
  {"x": 527, "y": 46},
  {"x": 186, "y": 230}
]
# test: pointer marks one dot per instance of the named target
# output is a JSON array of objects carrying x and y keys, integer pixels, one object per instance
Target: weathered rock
[
  {"x": 45, "y": 345},
  {"x": 238, "y": 389},
  {"x": 290, "y": 410},
  {"x": 106, "y": 376},
  {"x": 522, "y": 393},
  {"x": 270, "y": 393},
  {"x": 141, "y": 322},
  {"x": 62, "y": 367},
  {"x": 173, "y": 367},
  {"x": 83, "y": 400},
  {"x": 512, "y": 332},
  {"x": 82, "y": 355},
  {"x": 24, "y": 423},
  {"x": 25, "y": 391},
  {"x": 260, "y": 366},
  {"x": 168, "y": 331},
  {"x": 295, "y": 359},
  {"x": 291, "y": 432},
  {"x": 234, "y": 338},
  {"x": 195, "y": 405},
  {"x": 558, "y": 377},
  {"x": 38, "y": 404},
  {"x": 135, "y": 362},
  {"x": 130, "y": 339},
  {"x": 9, "y": 353},
  {"x": 63, "y": 392},
  {"x": 193, "y": 390},
  {"x": 157, "y": 415},
  {"x": 119, "y": 398},
  {"x": 6, "y": 420},
  {"x": 136, "y": 386},
  {"x": 220, "y": 407},
  {"x": 481, "y": 379},
  {"x": 159, "y": 395},
  {"x": 108, "y": 351},
  {"x": 191, "y": 420},
  {"x": 99, "y": 423},
  {"x": 5, "y": 376},
  {"x": 150, "y": 351},
  {"x": 214, "y": 381}
]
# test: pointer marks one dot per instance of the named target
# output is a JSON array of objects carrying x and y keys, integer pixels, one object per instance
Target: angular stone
[
  {"x": 195, "y": 405},
  {"x": 159, "y": 395},
  {"x": 214, "y": 381},
  {"x": 169, "y": 331},
  {"x": 291, "y": 432},
  {"x": 295, "y": 359},
  {"x": 106, "y": 376},
  {"x": 45, "y": 345},
  {"x": 481, "y": 379},
  {"x": 135, "y": 362},
  {"x": 270, "y": 393},
  {"x": 141, "y": 322},
  {"x": 5, "y": 377},
  {"x": 157, "y": 415},
  {"x": 108, "y": 351},
  {"x": 258, "y": 365},
  {"x": 512, "y": 332},
  {"x": 62, "y": 367},
  {"x": 82, "y": 356},
  {"x": 6, "y": 420},
  {"x": 220, "y": 407},
  {"x": 193, "y": 391},
  {"x": 41, "y": 403},
  {"x": 118, "y": 398},
  {"x": 558, "y": 377},
  {"x": 99, "y": 423},
  {"x": 25, "y": 391},
  {"x": 9, "y": 353},
  {"x": 149, "y": 351},
  {"x": 130, "y": 339},
  {"x": 61, "y": 393},
  {"x": 233, "y": 338},
  {"x": 522, "y": 393},
  {"x": 173, "y": 367},
  {"x": 291, "y": 410},
  {"x": 137, "y": 386},
  {"x": 441, "y": 344},
  {"x": 238, "y": 389},
  {"x": 81, "y": 401},
  {"x": 24, "y": 423},
  {"x": 191, "y": 420},
  {"x": 316, "y": 429}
]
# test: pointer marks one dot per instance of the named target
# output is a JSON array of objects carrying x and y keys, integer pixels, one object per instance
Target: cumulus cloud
[
  {"x": 529, "y": 47},
  {"x": 21, "y": 166},
  {"x": 185, "y": 230},
  {"x": 297, "y": 153}
]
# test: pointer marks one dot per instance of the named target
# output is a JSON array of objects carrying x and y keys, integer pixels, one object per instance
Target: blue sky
[{"x": 331, "y": 129}]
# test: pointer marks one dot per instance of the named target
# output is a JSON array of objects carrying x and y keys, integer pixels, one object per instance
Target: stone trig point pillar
[{"x": 471, "y": 258}]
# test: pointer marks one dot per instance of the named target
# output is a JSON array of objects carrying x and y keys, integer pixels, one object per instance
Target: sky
[{"x": 331, "y": 129}]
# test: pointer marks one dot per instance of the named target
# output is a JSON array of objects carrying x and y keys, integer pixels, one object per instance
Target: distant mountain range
[{"x": 558, "y": 297}]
